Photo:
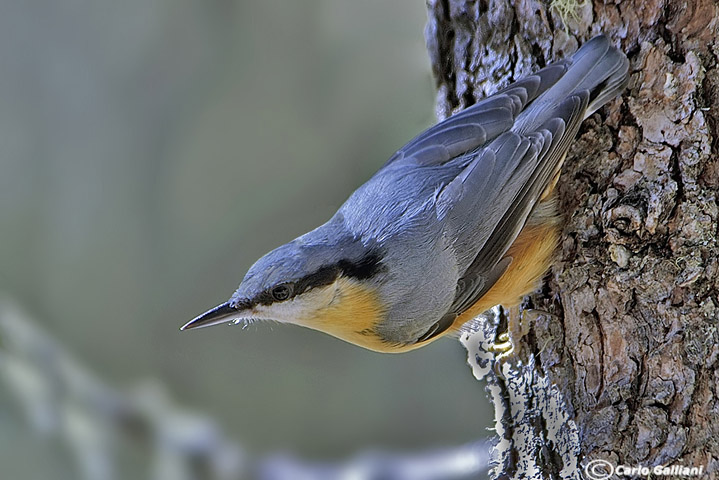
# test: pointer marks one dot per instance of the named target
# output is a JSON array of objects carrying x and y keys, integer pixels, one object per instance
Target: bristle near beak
[{"x": 220, "y": 314}]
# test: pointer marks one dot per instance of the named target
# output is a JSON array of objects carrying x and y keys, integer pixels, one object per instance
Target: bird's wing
[
  {"x": 477, "y": 125},
  {"x": 487, "y": 205},
  {"x": 487, "y": 212}
]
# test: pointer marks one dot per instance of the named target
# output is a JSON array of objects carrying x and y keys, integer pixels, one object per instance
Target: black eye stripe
[
  {"x": 264, "y": 298},
  {"x": 363, "y": 269},
  {"x": 366, "y": 268},
  {"x": 323, "y": 276}
]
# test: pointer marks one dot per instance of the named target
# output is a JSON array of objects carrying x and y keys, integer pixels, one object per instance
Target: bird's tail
[
  {"x": 597, "y": 69},
  {"x": 600, "y": 68}
]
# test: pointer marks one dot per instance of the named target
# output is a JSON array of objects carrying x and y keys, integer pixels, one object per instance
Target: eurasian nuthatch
[{"x": 460, "y": 219}]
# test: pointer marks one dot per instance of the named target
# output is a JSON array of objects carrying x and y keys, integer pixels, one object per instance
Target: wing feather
[
  {"x": 538, "y": 156},
  {"x": 477, "y": 125},
  {"x": 498, "y": 157}
]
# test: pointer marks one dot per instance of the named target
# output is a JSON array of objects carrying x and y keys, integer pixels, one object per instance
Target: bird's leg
[
  {"x": 518, "y": 325},
  {"x": 504, "y": 347}
]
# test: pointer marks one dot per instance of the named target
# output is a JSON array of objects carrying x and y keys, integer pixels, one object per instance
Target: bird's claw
[{"x": 506, "y": 346}]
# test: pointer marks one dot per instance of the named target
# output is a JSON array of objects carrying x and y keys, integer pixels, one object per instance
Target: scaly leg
[{"x": 518, "y": 325}]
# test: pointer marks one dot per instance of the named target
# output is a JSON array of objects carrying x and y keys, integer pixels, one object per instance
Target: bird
[{"x": 460, "y": 219}]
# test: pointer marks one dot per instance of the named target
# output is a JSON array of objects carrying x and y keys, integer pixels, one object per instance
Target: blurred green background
[{"x": 152, "y": 150}]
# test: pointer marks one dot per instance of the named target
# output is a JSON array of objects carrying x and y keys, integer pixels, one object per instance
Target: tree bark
[{"x": 630, "y": 341}]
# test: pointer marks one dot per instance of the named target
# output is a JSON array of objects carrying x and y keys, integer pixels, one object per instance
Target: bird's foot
[
  {"x": 503, "y": 347},
  {"x": 518, "y": 325}
]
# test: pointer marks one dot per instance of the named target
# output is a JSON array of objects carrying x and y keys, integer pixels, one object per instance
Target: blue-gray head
[{"x": 319, "y": 280}]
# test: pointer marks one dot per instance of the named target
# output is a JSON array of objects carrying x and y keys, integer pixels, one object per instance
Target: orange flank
[{"x": 532, "y": 254}]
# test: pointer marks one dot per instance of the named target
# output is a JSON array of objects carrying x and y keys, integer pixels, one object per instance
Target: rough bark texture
[{"x": 632, "y": 340}]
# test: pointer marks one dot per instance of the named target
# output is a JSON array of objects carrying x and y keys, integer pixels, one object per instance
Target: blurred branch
[
  {"x": 464, "y": 462},
  {"x": 63, "y": 400}
]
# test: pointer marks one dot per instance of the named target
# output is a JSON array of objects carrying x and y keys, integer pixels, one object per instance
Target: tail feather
[{"x": 597, "y": 68}]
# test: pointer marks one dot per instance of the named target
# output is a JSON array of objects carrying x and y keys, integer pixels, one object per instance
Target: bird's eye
[{"x": 281, "y": 292}]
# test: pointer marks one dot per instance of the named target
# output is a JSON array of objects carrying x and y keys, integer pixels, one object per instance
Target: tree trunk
[{"x": 630, "y": 341}]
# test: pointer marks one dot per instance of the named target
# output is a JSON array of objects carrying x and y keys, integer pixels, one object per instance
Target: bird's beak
[{"x": 220, "y": 314}]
